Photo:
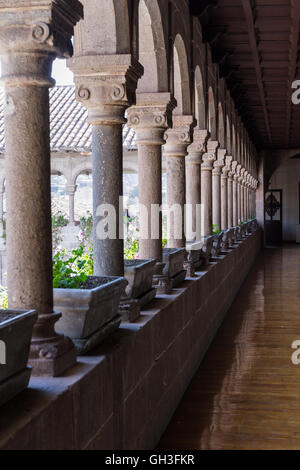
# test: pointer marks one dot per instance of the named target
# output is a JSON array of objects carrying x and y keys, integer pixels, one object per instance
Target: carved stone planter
[
  {"x": 217, "y": 244},
  {"x": 228, "y": 238},
  {"x": 193, "y": 258},
  {"x": 139, "y": 275},
  {"x": 174, "y": 261},
  {"x": 15, "y": 337},
  {"x": 206, "y": 251},
  {"x": 90, "y": 314},
  {"x": 139, "y": 291}
]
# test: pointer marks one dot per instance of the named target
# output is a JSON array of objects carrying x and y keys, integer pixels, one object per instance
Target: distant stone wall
[{"x": 123, "y": 395}]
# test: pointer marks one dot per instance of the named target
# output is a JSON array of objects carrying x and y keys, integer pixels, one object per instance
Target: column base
[
  {"x": 160, "y": 282},
  {"x": 130, "y": 309},
  {"x": 189, "y": 266},
  {"x": 51, "y": 354}
]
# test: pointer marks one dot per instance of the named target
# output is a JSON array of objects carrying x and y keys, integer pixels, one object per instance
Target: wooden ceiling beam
[{"x": 253, "y": 44}]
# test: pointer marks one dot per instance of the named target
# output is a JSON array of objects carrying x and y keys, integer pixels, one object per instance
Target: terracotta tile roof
[{"x": 68, "y": 127}]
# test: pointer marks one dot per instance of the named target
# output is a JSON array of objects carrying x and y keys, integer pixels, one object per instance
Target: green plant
[
  {"x": 132, "y": 249},
  {"x": 59, "y": 221},
  {"x": 4, "y": 228},
  {"x": 86, "y": 225},
  {"x": 72, "y": 271},
  {"x": 3, "y": 298},
  {"x": 215, "y": 229}
]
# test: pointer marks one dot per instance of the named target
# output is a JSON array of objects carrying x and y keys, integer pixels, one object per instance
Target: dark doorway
[{"x": 273, "y": 215}]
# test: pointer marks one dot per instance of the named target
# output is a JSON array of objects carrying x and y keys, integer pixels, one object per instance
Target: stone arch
[
  {"x": 57, "y": 171},
  {"x": 212, "y": 118},
  {"x": 181, "y": 77},
  {"x": 109, "y": 20},
  {"x": 151, "y": 48},
  {"x": 221, "y": 126},
  {"x": 86, "y": 168},
  {"x": 200, "y": 105}
]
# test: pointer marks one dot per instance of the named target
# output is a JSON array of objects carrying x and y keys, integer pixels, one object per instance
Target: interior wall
[{"x": 287, "y": 178}]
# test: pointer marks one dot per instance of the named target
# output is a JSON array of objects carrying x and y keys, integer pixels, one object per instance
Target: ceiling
[{"x": 256, "y": 44}]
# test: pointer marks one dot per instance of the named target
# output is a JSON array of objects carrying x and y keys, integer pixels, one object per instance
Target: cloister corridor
[{"x": 245, "y": 394}]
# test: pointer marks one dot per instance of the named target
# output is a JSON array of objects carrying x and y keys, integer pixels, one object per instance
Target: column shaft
[
  {"x": 193, "y": 184},
  {"x": 224, "y": 200},
  {"x": 216, "y": 198},
  {"x": 230, "y": 201},
  {"x": 29, "y": 246},
  {"x": 107, "y": 162},
  {"x": 206, "y": 187}
]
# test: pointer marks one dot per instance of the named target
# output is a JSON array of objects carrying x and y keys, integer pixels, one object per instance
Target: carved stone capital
[
  {"x": 151, "y": 116},
  {"x": 210, "y": 156},
  {"x": 106, "y": 85},
  {"x": 32, "y": 35},
  {"x": 179, "y": 137},
  {"x": 197, "y": 147},
  {"x": 71, "y": 189},
  {"x": 219, "y": 162}
]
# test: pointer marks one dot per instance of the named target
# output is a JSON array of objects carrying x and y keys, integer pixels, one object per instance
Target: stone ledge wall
[{"x": 123, "y": 395}]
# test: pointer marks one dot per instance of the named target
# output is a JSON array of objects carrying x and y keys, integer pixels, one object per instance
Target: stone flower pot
[
  {"x": 193, "y": 258},
  {"x": 139, "y": 274},
  {"x": 15, "y": 336},
  {"x": 174, "y": 260},
  {"x": 206, "y": 251},
  {"x": 90, "y": 314},
  {"x": 217, "y": 244}
]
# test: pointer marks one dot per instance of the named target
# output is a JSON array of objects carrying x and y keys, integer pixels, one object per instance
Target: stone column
[
  {"x": 242, "y": 186},
  {"x": 245, "y": 196},
  {"x": 239, "y": 193},
  {"x": 206, "y": 186},
  {"x": 1, "y": 205},
  {"x": 216, "y": 188},
  {"x": 235, "y": 214},
  {"x": 229, "y": 192},
  {"x": 150, "y": 118},
  {"x": 193, "y": 183},
  {"x": 249, "y": 196},
  {"x": 224, "y": 196},
  {"x": 106, "y": 86},
  {"x": 177, "y": 141},
  {"x": 32, "y": 36},
  {"x": 71, "y": 189}
]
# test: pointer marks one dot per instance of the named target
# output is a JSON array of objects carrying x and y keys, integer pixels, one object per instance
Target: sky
[{"x": 60, "y": 73}]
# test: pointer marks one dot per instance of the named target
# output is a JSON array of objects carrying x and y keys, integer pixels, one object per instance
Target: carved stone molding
[
  {"x": 106, "y": 85},
  {"x": 197, "y": 147},
  {"x": 151, "y": 116},
  {"x": 38, "y": 25},
  {"x": 219, "y": 162},
  {"x": 210, "y": 156},
  {"x": 179, "y": 137}
]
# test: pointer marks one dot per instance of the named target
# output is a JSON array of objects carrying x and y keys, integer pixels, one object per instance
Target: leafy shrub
[
  {"x": 86, "y": 225},
  {"x": 71, "y": 272},
  {"x": 59, "y": 221},
  {"x": 3, "y": 298},
  {"x": 216, "y": 230}
]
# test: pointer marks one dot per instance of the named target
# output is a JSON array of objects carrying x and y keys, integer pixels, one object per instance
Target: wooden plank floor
[{"x": 246, "y": 394}]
